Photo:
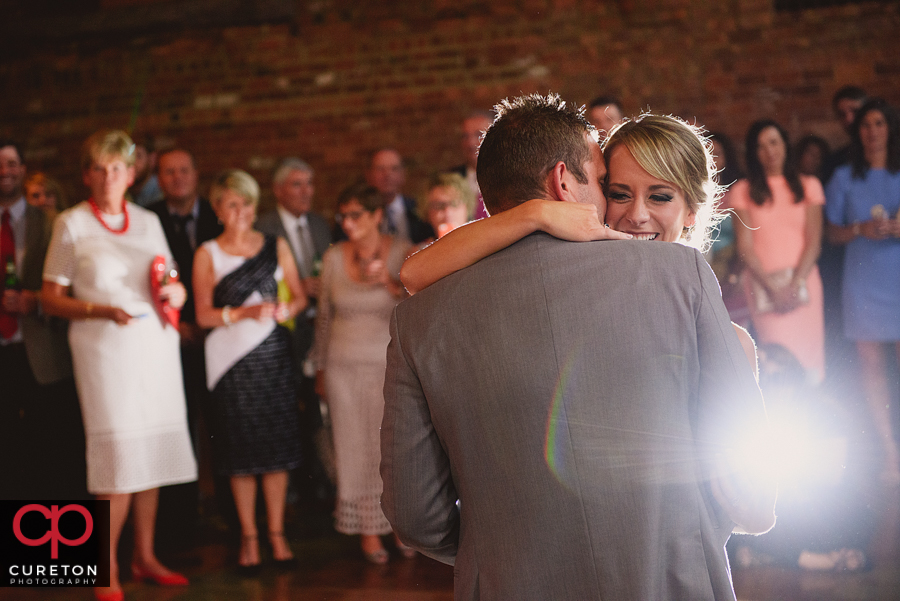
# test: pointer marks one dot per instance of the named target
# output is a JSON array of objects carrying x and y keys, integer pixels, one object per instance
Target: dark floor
[
  {"x": 331, "y": 567},
  {"x": 857, "y": 511}
]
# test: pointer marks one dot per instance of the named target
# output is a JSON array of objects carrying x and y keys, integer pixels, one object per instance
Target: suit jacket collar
[
  {"x": 195, "y": 209},
  {"x": 17, "y": 209}
]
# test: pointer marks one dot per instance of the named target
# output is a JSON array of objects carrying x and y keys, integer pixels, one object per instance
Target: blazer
[
  {"x": 45, "y": 338},
  {"x": 270, "y": 223},
  {"x": 570, "y": 397},
  {"x": 208, "y": 227}
]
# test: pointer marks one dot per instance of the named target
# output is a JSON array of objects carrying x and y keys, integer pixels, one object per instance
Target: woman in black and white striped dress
[{"x": 249, "y": 369}]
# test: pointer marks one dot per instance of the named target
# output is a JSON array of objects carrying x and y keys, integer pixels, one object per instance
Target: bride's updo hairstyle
[{"x": 674, "y": 151}]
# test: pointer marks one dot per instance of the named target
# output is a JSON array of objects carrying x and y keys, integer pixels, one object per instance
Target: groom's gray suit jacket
[{"x": 570, "y": 396}]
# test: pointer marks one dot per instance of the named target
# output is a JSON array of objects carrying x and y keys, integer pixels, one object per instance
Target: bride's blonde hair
[{"x": 674, "y": 151}]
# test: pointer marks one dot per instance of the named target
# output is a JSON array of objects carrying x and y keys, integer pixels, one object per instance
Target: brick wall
[{"x": 340, "y": 78}]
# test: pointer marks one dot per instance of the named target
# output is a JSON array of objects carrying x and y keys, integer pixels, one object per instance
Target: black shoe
[{"x": 251, "y": 571}]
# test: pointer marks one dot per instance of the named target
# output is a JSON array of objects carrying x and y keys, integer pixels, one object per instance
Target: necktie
[
  {"x": 9, "y": 323},
  {"x": 180, "y": 225},
  {"x": 390, "y": 220},
  {"x": 307, "y": 250},
  {"x": 182, "y": 249}
]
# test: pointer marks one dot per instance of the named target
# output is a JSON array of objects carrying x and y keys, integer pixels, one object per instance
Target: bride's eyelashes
[
  {"x": 662, "y": 197},
  {"x": 619, "y": 196}
]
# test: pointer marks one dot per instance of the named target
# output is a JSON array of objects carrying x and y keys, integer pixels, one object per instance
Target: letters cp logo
[{"x": 53, "y": 514}]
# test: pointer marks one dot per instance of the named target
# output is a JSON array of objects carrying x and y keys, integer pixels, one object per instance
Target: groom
[{"x": 553, "y": 414}]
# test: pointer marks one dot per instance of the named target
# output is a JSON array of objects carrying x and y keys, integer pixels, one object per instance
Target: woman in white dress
[{"x": 126, "y": 357}]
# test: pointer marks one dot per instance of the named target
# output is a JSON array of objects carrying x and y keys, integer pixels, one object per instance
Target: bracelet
[
  {"x": 89, "y": 309},
  {"x": 226, "y": 315},
  {"x": 855, "y": 230}
]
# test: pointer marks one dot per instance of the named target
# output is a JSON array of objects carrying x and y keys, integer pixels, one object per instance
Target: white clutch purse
[{"x": 761, "y": 300}]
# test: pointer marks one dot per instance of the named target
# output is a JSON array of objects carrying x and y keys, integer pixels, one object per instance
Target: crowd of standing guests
[{"x": 257, "y": 323}]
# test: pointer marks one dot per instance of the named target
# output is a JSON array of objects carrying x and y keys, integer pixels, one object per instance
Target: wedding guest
[
  {"x": 604, "y": 113},
  {"x": 360, "y": 286},
  {"x": 473, "y": 127},
  {"x": 812, "y": 152},
  {"x": 845, "y": 103},
  {"x": 778, "y": 238},
  {"x": 864, "y": 214},
  {"x": 309, "y": 236},
  {"x": 44, "y": 192},
  {"x": 187, "y": 221},
  {"x": 249, "y": 368},
  {"x": 145, "y": 189},
  {"x": 41, "y": 437},
  {"x": 449, "y": 203},
  {"x": 125, "y": 353},
  {"x": 723, "y": 256},
  {"x": 387, "y": 174}
]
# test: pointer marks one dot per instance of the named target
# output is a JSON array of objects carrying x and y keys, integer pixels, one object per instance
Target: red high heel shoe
[
  {"x": 113, "y": 596},
  {"x": 173, "y": 579}
]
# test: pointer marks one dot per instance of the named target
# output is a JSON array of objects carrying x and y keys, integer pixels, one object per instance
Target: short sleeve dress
[
  {"x": 778, "y": 228},
  {"x": 352, "y": 336},
  {"x": 128, "y": 377},
  {"x": 871, "y": 286}
]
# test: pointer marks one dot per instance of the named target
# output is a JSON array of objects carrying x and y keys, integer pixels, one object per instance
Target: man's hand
[{"x": 22, "y": 302}]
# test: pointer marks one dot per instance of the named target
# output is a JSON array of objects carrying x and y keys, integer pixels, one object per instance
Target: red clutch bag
[{"x": 160, "y": 275}]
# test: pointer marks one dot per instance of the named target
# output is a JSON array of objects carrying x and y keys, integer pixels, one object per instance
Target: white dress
[{"x": 128, "y": 377}]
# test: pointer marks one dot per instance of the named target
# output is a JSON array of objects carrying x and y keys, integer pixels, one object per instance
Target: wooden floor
[{"x": 330, "y": 567}]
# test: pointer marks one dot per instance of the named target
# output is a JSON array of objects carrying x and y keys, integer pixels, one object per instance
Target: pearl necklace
[{"x": 99, "y": 216}]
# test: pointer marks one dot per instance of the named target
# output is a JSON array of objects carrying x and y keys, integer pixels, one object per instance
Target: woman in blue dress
[{"x": 863, "y": 202}]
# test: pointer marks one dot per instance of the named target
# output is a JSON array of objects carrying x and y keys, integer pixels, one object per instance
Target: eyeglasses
[
  {"x": 349, "y": 216},
  {"x": 441, "y": 206}
]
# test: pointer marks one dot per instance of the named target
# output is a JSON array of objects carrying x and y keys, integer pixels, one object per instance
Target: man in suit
[
  {"x": 309, "y": 237},
  {"x": 553, "y": 413},
  {"x": 43, "y": 454},
  {"x": 187, "y": 221},
  {"x": 387, "y": 174},
  {"x": 473, "y": 127},
  {"x": 145, "y": 190}
]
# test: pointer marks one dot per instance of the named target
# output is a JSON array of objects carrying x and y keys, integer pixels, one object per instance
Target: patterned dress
[
  {"x": 352, "y": 335},
  {"x": 255, "y": 415}
]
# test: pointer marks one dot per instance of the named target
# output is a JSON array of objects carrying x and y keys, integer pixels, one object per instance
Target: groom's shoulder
[{"x": 621, "y": 255}]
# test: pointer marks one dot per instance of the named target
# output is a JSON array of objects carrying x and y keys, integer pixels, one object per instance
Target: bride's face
[{"x": 642, "y": 205}]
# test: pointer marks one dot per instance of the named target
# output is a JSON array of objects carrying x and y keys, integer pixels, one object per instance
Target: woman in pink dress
[{"x": 779, "y": 235}]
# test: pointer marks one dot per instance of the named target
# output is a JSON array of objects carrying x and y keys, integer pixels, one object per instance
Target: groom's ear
[{"x": 559, "y": 183}]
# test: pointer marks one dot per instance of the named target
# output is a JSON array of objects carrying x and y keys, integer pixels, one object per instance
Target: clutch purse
[
  {"x": 160, "y": 275},
  {"x": 760, "y": 298}
]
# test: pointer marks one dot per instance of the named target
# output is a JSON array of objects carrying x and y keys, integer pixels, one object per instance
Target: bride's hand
[{"x": 573, "y": 221}]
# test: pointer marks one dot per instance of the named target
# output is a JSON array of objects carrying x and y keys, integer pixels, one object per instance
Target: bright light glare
[{"x": 795, "y": 450}]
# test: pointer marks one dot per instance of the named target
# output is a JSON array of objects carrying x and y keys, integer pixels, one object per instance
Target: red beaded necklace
[{"x": 99, "y": 216}]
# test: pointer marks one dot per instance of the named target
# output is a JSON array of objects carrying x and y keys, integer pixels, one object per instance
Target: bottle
[{"x": 11, "y": 278}]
